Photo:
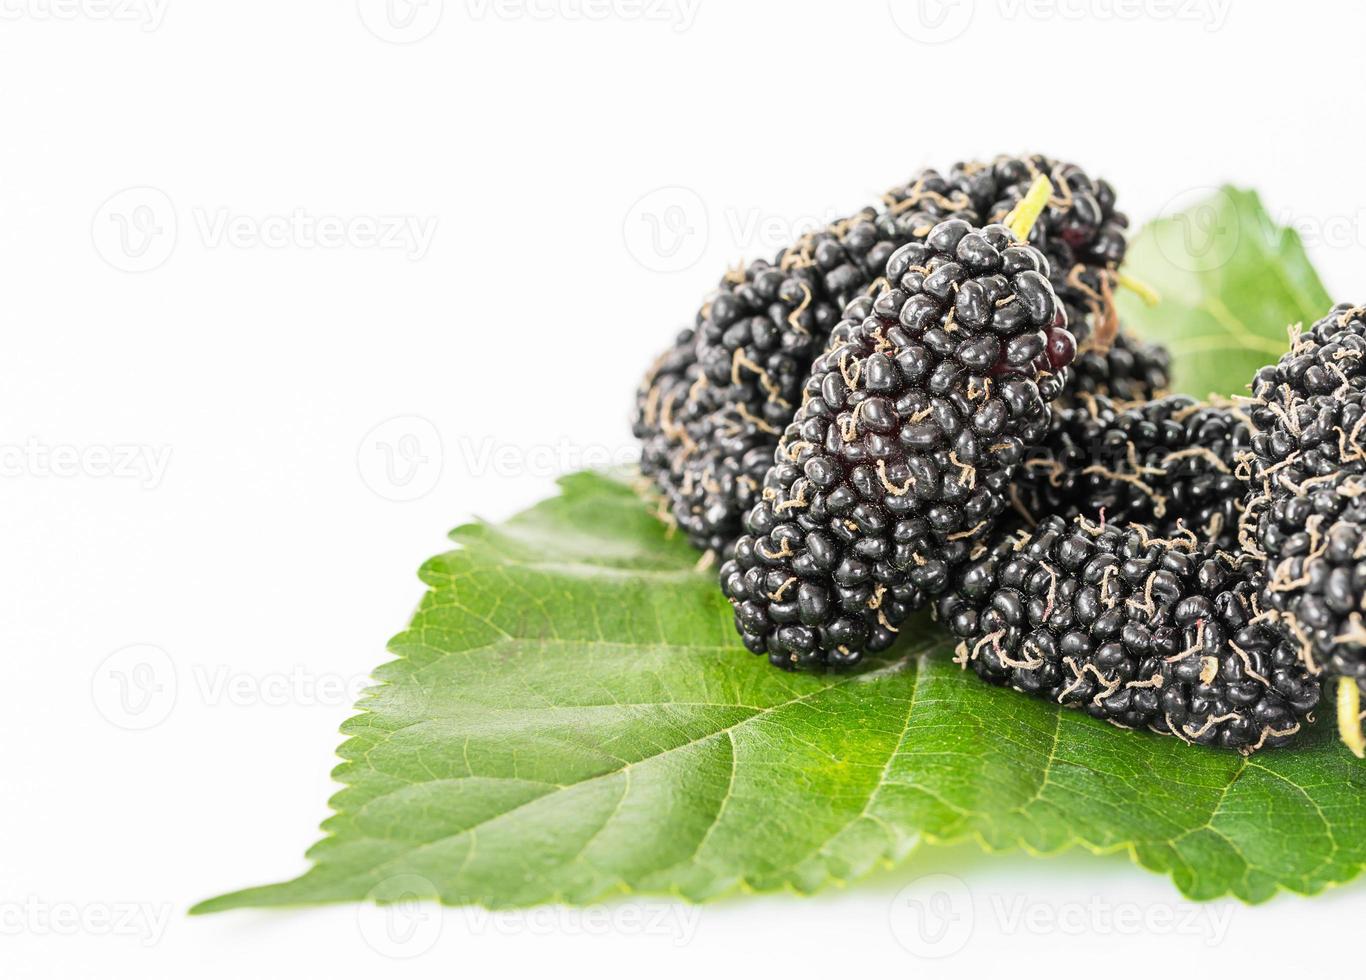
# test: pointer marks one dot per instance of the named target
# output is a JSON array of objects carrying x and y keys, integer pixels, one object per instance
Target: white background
[{"x": 254, "y": 528}]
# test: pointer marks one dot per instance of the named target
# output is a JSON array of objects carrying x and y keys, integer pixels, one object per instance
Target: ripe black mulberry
[
  {"x": 899, "y": 460},
  {"x": 1141, "y": 631},
  {"x": 1171, "y": 463},
  {"x": 1129, "y": 370},
  {"x": 1307, "y": 514}
]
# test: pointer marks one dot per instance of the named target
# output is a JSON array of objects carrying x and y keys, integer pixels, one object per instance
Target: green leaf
[
  {"x": 571, "y": 716},
  {"x": 1230, "y": 280}
]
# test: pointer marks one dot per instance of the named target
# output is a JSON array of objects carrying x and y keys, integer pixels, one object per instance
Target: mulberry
[
  {"x": 711, "y": 410},
  {"x": 1140, "y": 631},
  {"x": 1129, "y": 370},
  {"x": 901, "y": 455},
  {"x": 1170, "y": 463},
  {"x": 1306, "y": 516},
  {"x": 1315, "y": 546}
]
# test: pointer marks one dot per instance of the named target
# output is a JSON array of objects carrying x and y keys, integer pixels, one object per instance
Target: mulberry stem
[
  {"x": 1021, "y": 218},
  {"x": 1349, "y": 716},
  {"x": 1139, "y": 288}
]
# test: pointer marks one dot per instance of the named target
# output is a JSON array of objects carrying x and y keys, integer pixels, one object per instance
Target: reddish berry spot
[{"x": 1062, "y": 347}]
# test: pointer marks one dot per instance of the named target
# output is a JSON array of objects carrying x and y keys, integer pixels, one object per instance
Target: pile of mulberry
[
  {"x": 933, "y": 403},
  {"x": 710, "y": 412},
  {"x": 899, "y": 460}
]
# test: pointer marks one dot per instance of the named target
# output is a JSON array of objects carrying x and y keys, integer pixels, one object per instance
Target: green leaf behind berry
[{"x": 1231, "y": 282}]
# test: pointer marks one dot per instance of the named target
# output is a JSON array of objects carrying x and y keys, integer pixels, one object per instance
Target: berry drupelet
[
  {"x": 1141, "y": 631},
  {"x": 900, "y": 457},
  {"x": 1171, "y": 463},
  {"x": 710, "y": 412}
]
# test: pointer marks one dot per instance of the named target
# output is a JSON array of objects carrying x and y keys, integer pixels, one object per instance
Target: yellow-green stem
[
  {"x": 1349, "y": 716},
  {"x": 1140, "y": 288},
  {"x": 1021, "y": 218}
]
